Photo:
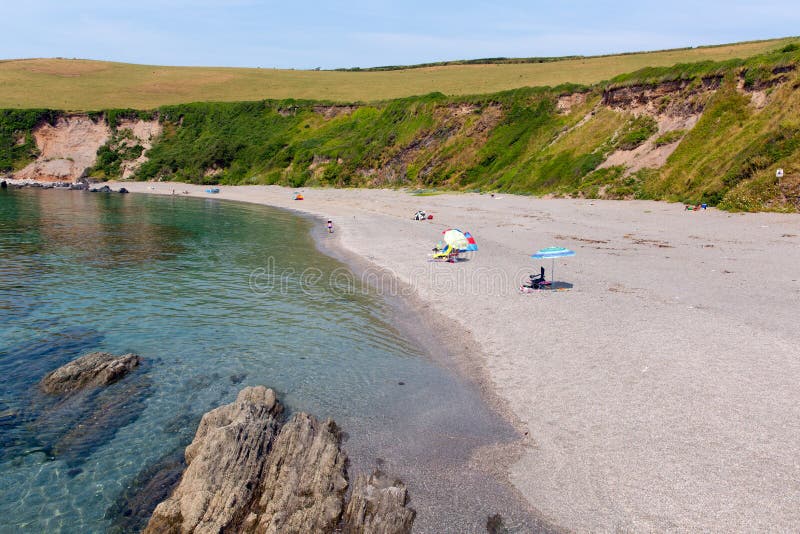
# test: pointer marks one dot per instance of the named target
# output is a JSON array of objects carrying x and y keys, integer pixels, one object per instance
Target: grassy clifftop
[
  {"x": 712, "y": 131},
  {"x": 81, "y": 85}
]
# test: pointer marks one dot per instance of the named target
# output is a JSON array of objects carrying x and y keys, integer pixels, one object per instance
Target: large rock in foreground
[
  {"x": 93, "y": 370},
  {"x": 305, "y": 480},
  {"x": 225, "y": 467},
  {"x": 249, "y": 473}
]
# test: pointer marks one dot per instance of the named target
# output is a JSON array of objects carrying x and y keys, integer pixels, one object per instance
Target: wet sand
[{"x": 658, "y": 389}]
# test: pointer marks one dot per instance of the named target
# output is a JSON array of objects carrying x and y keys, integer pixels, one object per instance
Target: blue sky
[{"x": 259, "y": 33}]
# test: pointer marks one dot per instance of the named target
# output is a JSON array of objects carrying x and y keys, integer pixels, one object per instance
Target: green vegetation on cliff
[
  {"x": 17, "y": 146},
  {"x": 706, "y": 132}
]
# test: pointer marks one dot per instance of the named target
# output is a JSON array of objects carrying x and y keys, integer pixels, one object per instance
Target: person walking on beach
[{"x": 330, "y": 226}]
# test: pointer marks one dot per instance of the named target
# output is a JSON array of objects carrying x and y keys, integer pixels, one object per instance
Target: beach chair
[
  {"x": 447, "y": 253},
  {"x": 537, "y": 281}
]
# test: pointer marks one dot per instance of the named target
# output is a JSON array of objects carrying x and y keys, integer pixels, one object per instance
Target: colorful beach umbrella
[
  {"x": 552, "y": 253},
  {"x": 455, "y": 238},
  {"x": 472, "y": 246}
]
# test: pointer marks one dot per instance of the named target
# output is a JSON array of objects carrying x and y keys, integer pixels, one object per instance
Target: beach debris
[
  {"x": 92, "y": 370},
  {"x": 696, "y": 207},
  {"x": 247, "y": 471}
]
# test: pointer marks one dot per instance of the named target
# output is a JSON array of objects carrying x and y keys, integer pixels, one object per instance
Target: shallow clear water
[{"x": 170, "y": 279}]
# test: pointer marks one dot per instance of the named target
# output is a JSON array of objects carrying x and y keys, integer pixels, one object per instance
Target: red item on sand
[{"x": 430, "y": 217}]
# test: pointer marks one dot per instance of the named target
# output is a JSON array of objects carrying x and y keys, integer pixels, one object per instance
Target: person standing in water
[{"x": 330, "y": 226}]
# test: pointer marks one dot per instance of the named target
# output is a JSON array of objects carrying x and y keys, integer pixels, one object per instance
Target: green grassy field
[{"x": 80, "y": 85}]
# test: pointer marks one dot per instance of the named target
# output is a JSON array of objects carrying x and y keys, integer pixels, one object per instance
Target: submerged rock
[
  {"x": 69, "y": 427},
  {"x": 92, "y": 370},
  {"x": 135, "y": 504},
  {"x": 81, "y": 405},
  {"x": 378, "y": 504},
  {"x": 249, "y": 473},
  {"x": 97, "y": 421}
]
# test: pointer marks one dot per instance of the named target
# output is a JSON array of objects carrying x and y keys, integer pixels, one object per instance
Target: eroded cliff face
[
  {"x": 676, "y": 106},
  {"x": 67, "y": 150},
  {"x": 143, "y": 133},
  {"x": 651, "y": 137}
]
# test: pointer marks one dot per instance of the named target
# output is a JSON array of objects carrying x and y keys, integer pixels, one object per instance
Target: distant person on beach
[{"x": 330, "y": 226}]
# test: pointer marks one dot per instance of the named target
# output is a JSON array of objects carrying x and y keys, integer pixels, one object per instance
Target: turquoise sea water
[{"x": 170, "y": 279}]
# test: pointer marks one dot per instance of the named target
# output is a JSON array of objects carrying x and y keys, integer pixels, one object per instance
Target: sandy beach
[{"x": 658, "y": 389}]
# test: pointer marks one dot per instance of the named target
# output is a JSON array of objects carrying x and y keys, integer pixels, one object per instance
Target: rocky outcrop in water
[
  {"x": 304, "y": 482},
  {"x": 81, "y": 405},
  {"x": 248, "y": 472},
  {"x": 92, "y": 370},
  {"x": 225, "y": 467},
  {"x": 378, "y": 504}
]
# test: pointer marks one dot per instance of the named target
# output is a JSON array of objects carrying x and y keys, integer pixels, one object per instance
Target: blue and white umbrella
[{"x": 552, "y": 253}]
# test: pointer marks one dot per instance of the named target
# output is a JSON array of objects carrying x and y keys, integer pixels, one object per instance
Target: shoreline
[
  {"x": 424, "y": 432},
  {"x": 658, "y": 392},
  {"x": 432, "y": 331}
]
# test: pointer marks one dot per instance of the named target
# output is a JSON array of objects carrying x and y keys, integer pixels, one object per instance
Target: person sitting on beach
[{"x": 537, "y": 281}]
